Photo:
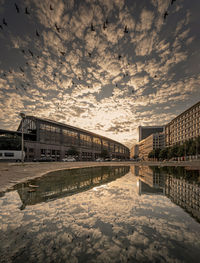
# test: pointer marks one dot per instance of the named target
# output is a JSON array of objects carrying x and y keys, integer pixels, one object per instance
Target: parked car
[
  {"x": 69, "y": 159},
  {"x": 99, "y": 160},
  {"x": 44, "y": 159},
  {"x": 114, "y": 160}
]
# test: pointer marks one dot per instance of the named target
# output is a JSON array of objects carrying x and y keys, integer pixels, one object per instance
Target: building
[
  {"x": 184, "y": 127},
  {"x": 47, "y": 138},
  {"x": 145, "y": 131},
  {"x": 152, "y": 142},
  {"x": 134, "y": 151},
  {"x": 184, "y": 194}
]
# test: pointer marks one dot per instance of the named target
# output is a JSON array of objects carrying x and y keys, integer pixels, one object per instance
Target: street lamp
[{"x": 23, "y": 116}]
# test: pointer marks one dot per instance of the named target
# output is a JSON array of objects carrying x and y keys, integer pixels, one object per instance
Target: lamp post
[{"x": 23, "y": 116}]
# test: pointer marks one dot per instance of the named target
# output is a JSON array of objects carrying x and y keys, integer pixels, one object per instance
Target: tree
[
  {"x": 151, "y": 154},
  {"x": 181, "y": 151},
  {"x": 104, "y": 154},
  {"x": 163, "y": 153},
  {"x": 72, "y": 151},
  {"x": 157, "y": 152}
]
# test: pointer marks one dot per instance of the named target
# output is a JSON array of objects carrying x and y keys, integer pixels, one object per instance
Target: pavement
[{"x": 12, "y": 173}]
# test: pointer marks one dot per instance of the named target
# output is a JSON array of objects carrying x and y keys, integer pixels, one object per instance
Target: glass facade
[{"x": 52, "y": 139}]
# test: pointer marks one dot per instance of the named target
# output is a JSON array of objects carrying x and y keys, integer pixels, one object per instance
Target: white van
[{"x": 11, "y": 155}]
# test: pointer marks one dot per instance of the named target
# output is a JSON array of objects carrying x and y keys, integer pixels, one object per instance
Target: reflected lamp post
[{"x": 23, "y": 116}]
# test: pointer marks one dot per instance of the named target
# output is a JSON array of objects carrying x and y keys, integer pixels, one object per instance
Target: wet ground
[{"x": 103, "y": 214}]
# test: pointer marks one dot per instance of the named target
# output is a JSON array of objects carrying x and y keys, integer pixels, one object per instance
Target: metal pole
[{"x": 22, "y": 156}]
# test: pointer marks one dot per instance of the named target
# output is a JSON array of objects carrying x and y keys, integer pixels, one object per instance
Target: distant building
[
  {"x": 184, "y": 127},
  {"x": 152, "y": 142},
  {"x": 145, "y": 131},
  {"x": 134, "y": 151},
  {"x": 51, "y": 139}
]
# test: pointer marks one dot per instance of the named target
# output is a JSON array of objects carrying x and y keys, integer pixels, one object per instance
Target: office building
[
  {"x": 134, "y": 151},
  {"x": 145, "y": 131},
  {"x": 152, "y": 142},
  {"x": 184, "y": 127}
]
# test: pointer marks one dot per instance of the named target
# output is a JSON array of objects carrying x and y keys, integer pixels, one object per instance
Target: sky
[{"x": 106, "y": 66}]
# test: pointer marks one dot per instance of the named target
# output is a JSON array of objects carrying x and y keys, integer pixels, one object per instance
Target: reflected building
[
  {"x": 184, "y": 193},
  {"x": 151, "y": 178},
  {"x": 64, "y": 183},
  {"x": 47, "y": 138}
]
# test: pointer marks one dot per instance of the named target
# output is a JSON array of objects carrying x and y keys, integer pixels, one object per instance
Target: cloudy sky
[{"x": 107, "y": 66}]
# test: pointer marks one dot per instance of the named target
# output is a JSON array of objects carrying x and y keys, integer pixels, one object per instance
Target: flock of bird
[{"x": 58, "y": 29}]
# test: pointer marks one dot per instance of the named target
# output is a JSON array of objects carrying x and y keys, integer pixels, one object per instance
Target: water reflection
[
  {"x": 106, "y": 223},
  {"x": 181, "y": 186},
  {"x": 66, "y": 182}
]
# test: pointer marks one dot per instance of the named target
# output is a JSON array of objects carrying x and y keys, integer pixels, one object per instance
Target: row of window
[{"x": 51, "y": 135}]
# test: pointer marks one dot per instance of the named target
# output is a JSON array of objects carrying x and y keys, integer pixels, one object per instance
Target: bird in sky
[
  {"x": 37, "y": 34},
  {"x": 165, "y": 14},
  {"x": 92, "y": 27},
  {"x": 4, "y": 22},
  {"x": 125, "y": 29},
  {"x": 104, "y": 26},
  {"x": 26, "y": 11},
  {"x": 57, "y": 28},
  {"x": 30, "y": 52},
  {"x": 21, "y": 69},
  {"x": 17, "y": 8}
]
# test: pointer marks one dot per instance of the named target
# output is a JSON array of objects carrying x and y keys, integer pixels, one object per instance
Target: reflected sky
[{"x": 107, "y": 223}]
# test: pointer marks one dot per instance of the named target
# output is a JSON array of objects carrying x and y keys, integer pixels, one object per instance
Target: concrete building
[
  {"x": 145, "y": 131},
  {"x": 134, "y": 151},
  {"x": 152, "y": 142},
  {"x": 184, "y": 127},
  {"x": 47, "y": 138}
]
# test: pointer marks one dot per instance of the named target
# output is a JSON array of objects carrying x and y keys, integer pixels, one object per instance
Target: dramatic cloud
[{"x": 107, "y": 66}]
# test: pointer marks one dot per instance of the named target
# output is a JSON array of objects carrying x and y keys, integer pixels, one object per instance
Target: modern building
[
  {"x": 145, "y": 131},
  {"x": 152, "y": 142},
  {"x": 134, "y": 151},
  {"x": 47, "y": 138},
  {"x": 184, "y": 127}
]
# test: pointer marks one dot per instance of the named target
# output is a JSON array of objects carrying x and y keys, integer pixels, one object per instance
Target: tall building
[
  {"x": 47, "y": 138},
  {"x": 152, "y": 142},
  {"x": 145, "y": 131},
  {"x": 184, "y": 127}
]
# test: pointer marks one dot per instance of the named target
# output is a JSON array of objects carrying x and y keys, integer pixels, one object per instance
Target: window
[{"x": 9, "y": 154}]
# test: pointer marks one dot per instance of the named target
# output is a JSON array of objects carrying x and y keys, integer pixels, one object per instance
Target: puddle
[{"x": 103, "y": 214}]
